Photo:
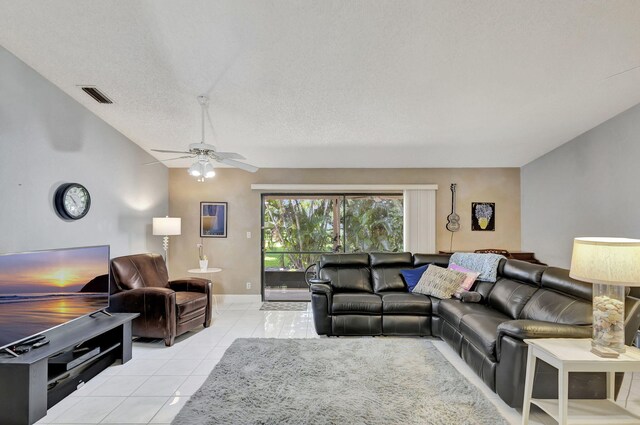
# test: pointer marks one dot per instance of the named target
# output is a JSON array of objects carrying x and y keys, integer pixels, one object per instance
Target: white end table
[
  {"x": 574, "y": 355},
  {"x": 211, "y": 271}
]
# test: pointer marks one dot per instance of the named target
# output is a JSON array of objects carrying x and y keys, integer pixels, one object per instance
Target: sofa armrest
[
  {"x": 320, "y": 287},
  {"x": 143, "y": 301},
  {"x": 157, "y": 308},
  {"x": 523, "y": 329},
  {"x": 196, "y": 284},
  {"x": 321, "y": 300},
  {"x": 470, "y": 297},
  {"x": 192, "y": 284}
]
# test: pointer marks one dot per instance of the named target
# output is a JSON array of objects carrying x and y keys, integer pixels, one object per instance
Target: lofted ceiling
[{"x": 336, "y": 83}]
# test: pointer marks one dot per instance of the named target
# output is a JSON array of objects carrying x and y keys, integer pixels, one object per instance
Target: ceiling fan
[{"x": 204, "y": 152}]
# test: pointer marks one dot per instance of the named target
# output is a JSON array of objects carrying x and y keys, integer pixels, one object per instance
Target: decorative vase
[
  {"x": 608, "y": 317},
  {"x": 204, "y": 264}
]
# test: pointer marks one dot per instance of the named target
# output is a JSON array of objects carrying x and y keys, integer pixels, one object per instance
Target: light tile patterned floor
[{"x": 154, "y": 386}]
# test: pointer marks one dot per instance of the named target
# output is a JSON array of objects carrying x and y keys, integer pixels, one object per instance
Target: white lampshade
[
  {"x": 608, "y": 261},
  {"x": 167, "y": 226}
]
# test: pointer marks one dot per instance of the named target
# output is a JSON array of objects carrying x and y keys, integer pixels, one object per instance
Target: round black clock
[{"x": 72, "y": 201}]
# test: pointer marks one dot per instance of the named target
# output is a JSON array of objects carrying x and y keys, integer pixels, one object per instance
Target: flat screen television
[{"x": 41, "y": 290}]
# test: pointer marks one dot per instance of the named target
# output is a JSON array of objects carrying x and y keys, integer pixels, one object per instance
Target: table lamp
[
  {"x": 166, "y": 226},
  {"x": 609, "y": 264}
]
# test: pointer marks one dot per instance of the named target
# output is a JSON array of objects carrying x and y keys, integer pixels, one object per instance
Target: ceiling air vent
[{"x": 96, "y": 94}]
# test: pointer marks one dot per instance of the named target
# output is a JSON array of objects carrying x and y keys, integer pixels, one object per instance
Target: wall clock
[{"x": 72, "y": 201}]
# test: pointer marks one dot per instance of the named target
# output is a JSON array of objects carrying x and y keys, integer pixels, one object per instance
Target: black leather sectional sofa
[{"x": 364, "y": 294}]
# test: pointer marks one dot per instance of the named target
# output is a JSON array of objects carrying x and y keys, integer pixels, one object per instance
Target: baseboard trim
[{"x": 239, "y": 298}]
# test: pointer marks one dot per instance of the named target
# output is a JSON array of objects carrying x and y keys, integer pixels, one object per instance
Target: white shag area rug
[{"x": 336, "y": 381}]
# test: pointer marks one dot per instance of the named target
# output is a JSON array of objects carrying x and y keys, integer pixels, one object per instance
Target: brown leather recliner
[{"x": 167, "y": 309}]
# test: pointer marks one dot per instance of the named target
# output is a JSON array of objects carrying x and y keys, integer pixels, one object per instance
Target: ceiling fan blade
[
  {"x": 241, "y": 165},
  {"x": 227, "y": 155},
  {"x": 166, "y": 151},
  {"x": 170, "y": 159}
]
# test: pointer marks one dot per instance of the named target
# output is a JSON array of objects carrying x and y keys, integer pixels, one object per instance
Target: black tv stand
[
  {"x": 103, "y": 311},
  {"x": 32, "y": 382}
]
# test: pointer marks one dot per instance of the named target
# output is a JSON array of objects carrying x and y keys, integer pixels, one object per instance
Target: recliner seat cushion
[
  {"x": 452, "y": 311},
  {"x": 482, "y": 331},
  {"x": 406, "y": 303},
  {"x": 188, "y": 302},
  {"x": 349, "y": 303}
]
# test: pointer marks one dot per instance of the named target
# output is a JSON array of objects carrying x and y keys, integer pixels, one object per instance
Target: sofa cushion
[
  {"x": 482, "y": 331},
  {"x": 509, "y": 296},
  {"x": 453, "y": 310},
  {"x": 348, "y": 303},
  {"x": 411, "y": 277},
  {"x": 345, "y": 279},
  {"x": 390, "y": 259},
  {"x": 441, "y": 260},
  {"x": 558, "y": 279},
  {"x": 552, "y": 306},
  {"x": 140, "y": 271},
  {"x": 188, "y": 302},
  {"x": 406, "y": 303},
  {"x": 523, "y": 271},
  {"x": 435, "y": 304},
  {"x": 385, "y": 270},
  {"x": 439, "y": 282},
  {"x": 343, "y": 260}
]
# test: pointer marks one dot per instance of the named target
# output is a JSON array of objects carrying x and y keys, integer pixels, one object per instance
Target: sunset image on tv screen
[{"x": 40, "y": 290}]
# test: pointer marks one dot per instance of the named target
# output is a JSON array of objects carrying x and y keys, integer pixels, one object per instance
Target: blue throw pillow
[{"x": 412, "y": 276}]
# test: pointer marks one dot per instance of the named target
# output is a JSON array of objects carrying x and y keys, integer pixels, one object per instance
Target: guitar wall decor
[{"x": 453, "y": 219}]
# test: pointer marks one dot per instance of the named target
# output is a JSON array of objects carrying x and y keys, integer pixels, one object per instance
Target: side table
[
  {"x": 574, "y": 355},
  {"x": 210, "y": 271}
]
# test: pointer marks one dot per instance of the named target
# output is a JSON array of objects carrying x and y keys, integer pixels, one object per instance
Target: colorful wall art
[{"x": 483, "y": 216}]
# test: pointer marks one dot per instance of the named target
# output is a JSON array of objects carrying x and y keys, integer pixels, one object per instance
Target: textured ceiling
[{"x": 342, "y": 83}]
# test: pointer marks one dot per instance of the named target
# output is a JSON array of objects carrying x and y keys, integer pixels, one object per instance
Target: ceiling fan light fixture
[
  {"x": 195, "y": 170},
  {"x": 208, "y": 171}
]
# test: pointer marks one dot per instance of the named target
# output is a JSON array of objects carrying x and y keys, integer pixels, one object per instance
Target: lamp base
[
  {"x": 605, "y": 352},
  {"x": 608, "y": 318}
]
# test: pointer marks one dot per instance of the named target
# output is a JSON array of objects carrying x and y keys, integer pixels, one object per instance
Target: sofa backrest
[
  {"x": 516, "y": 284},
  {"x": 347, "y": 272},
  {"x": 560, "y": 299},
  {"x": 441, "y": 260},
  {"x": 139, "y": 271},
  {"x": 385, "y": 270}
]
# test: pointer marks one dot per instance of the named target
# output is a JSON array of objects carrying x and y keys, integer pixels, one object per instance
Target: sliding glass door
[{"x": 298, "y": 228}]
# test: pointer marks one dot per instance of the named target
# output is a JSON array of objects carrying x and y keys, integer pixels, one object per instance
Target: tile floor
[{"x": 155, "y": 384}]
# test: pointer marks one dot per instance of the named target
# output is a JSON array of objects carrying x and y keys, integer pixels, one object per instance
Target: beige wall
[{"x": 240, "y": 257}]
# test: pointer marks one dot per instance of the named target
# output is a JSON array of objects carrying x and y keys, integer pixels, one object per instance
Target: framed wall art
[
  {"x": 483, "y": 216},
  {"x": 213, "y": 219}
]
